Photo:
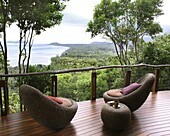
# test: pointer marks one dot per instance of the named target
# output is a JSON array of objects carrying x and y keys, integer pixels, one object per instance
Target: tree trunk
[
  {"x": 4, "y": 13},
  {"x": 29, "y": 50},
  {"x": 20, "y": 52}
]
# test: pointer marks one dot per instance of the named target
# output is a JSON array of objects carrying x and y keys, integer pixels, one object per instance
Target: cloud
[
  {"x": 74, "y": 20},
  {"x": 83, "y": 8},
  {"x": 66, "y": 34}
]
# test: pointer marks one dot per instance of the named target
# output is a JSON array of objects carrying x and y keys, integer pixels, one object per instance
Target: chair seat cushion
[
  {"x": 66, "y": 102},
  {"x": 59, "y": 101},
  {"x": 130, "y": 88},
  {"x": 115, "y": 92}
]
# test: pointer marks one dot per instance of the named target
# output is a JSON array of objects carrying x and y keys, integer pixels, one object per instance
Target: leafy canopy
[
  {"x": 125, "y": 22},
  {"x": 37, "y": 14},
  {"x": 160, "y": 50}
]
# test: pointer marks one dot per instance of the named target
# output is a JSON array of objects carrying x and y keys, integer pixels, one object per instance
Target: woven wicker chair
[
  {"x": 46, "y": 111},
  {"x": 135, "y": 99}
]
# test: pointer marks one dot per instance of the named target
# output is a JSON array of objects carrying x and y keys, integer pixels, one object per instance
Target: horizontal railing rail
[{"x": 84, "y": 69}]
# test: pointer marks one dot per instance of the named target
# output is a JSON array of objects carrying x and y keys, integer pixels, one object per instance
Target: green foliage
[
  {"x": 125, "y": 22},
  {"x": 160, "y": 50},
  {"x": 156, "y": 52},
  {"x": 37, "y": 14},
  {"x": 108, "y": 79},
  {"x": 89, "y": 50},
  {"x": 68, "y": 62},
  {"x": 41, "y": 82},
  {"x": 58, "y": 63},
  {"x": 14, "y": 102},
  {"x": 102, "y": 84},
  {"x": 84, "y": 55},
  {"x": 75, "y": 86},
  {"x": 83, "y": 85}
]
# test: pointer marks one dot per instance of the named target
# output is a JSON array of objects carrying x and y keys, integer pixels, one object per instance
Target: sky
[{"x": 73, "y": 27}]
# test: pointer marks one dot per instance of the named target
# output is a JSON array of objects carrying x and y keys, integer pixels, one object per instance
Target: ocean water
[{"x": 40, "y": 54}]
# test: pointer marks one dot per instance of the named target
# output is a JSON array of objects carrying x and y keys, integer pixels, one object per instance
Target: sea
[{"x": 40, "y": 54}]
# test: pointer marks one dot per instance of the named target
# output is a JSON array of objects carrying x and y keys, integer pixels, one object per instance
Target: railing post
[
  {"x": 156, "y": 83},
  {"x": 93, "y": 85},
  {"x": 3, "y": 84},
  {"x": 127, "y": 78},
  {"x": 54, "y": 86}
]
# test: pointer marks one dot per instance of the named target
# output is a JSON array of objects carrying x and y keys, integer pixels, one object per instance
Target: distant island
[
  {"x": 81, "y": 44},
  {"x": 60, "y": 44}
]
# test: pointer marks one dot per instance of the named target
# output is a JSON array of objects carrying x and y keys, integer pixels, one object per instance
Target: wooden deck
[{"x": 152, "y": 119}]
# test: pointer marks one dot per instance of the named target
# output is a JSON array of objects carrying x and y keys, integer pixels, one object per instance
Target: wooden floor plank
[{"x": 151, "y": 119}]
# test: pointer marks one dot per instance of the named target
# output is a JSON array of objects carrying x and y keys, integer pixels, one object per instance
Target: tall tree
[
  {"x": 125, "y": 23},
  {"x": 4, "y": 22},
  {"x": 33, "y": 17}
]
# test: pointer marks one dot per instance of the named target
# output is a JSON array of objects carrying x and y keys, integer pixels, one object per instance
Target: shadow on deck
[{"x": 151, "y": 119}]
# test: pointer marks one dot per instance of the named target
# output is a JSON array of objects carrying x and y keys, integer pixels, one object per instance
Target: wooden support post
[
  {"x": 54, "y": 86},
  {"x": 127, "y": 78},
  {"x": 1, "y": 102},
  {"x": 93, "y": 85},
  {"x": 156, "y": 83},
  {"x": 4, "y": 88}
]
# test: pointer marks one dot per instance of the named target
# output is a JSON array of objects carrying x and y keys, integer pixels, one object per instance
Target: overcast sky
[{"x": 74, "y": 24}]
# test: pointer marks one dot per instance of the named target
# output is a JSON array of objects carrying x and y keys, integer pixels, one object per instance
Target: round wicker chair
[
  {"x": 46, "y": 111},
  {"x": 135, "y": 99}
]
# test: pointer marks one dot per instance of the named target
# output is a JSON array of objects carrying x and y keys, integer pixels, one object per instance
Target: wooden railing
[{"x": 93, "y": 79}]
